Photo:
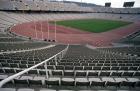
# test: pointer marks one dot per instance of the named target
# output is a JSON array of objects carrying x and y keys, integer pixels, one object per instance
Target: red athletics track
[{"x": 75, "y": 36}]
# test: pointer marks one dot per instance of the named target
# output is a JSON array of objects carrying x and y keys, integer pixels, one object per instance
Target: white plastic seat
[
  {"x": 52, "y": 81},
  {"x": 110, "y": 81},
  {"x": 47, "y": 90},
  {"x": 26, "y": 77},
  {"x": 68, "y": 81},
  {"x": 82, "y": 82},
  {"x": 96, "y": 82},
  {"x": 23, "y": 80},
  {"x": 7, "y": 89},
  {"x": 37, "y": 80},
  {"x": 120, "y": 79},
  {"x": 25, "y": 89}
]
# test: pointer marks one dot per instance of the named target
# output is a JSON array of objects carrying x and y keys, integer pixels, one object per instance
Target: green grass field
[{"x": 93, "y": 25}]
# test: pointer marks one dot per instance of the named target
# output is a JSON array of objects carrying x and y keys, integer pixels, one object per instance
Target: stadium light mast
[
  {"x": 36, "y": 36},
  {"x": 31, "y": 20},
  {"x": 55, "y": 23},
  {"x": 41, "y": 30},
  {"x": 35, "y": 29},
  {"x": 41, "y": 21},
  {"x": 55, "y": 31},
  {"x": 48, "y": 29}
]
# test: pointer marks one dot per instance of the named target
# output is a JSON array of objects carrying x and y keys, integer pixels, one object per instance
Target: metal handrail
[{"x": 26, "y": 70}]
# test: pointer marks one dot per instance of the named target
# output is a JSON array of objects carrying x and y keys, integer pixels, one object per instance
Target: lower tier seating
[{"x": 81, "y": 69}]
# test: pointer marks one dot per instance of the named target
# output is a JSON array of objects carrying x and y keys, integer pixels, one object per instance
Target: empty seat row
[
  {"x": 103, "y": 61},
  {"x": 61, "y": 67},
  {"x": 75, "y": 73},
  {"x": 19, "y": 60},
  {"x": 93, "y": 64},
  {"x": 94, "y": 74},
  {"x": 103, "y": 82},
  {"x": 16, "y": 65}
]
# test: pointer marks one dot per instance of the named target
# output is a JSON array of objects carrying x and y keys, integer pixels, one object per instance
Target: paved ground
[{"x": 74, "y": 36}]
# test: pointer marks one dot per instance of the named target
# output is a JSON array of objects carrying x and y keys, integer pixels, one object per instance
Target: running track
[{"x": 73, "y": 36}]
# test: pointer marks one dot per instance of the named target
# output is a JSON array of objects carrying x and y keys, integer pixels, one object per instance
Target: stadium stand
[
  {"x": 132, "y": 39},
  {"x": 20, "y": 45},
  {"x": 28, "y": 64},
  {"x": 86, "y": 67},
  {"x": 37, "y": 5},
  {"x": 6, "y": 5}
]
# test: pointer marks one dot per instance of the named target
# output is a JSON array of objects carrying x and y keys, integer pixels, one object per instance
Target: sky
[{"x": 114, "y": 3}]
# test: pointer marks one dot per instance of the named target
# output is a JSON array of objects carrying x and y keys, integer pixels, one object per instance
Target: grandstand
[{"x": 39, "y": 53}]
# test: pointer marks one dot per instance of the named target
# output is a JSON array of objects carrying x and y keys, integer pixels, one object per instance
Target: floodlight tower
[
  {"x": 35, "y": 29},
  {"x": 34, "y": 19},
  {"x": 48, "y": 36},
  {"x": 41, "y": 22},
  {"x": 55, "y": 26},
  {"x": 41, "y": 29},
  {"x": 55, "y": 32},
  {"x": 40, "y": 19}
]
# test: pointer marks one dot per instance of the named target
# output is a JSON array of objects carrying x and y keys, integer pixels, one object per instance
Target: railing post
[
  {"x": 55, "y": 58},
  {"x": 46, "y": 70},
  {"x": 60, "y": 56}
]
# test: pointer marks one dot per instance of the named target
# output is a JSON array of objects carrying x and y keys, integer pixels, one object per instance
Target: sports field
[{"x": 93, "y": 25}]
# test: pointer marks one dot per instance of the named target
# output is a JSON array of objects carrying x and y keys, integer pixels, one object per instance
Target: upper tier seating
[
  {"x": 6, "y": 4},
  {"x": 37, "y": 5},
  {"x": 43, "y": 5}
]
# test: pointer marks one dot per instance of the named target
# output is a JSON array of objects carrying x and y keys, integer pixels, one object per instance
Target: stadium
[{"x": 64, "y": 45}]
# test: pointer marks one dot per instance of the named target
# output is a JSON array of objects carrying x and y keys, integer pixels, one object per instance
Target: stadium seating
[
  {"x": 20, "y": 46},
  {"x": 42, "y": 5},
  {"x": 74, "y": 69},
  {"x": 132, "y": 39},
  {"x": 6, "y": 4},
  {"x": 79, "y": 68},
  {"x": 130, "y": 51}
]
